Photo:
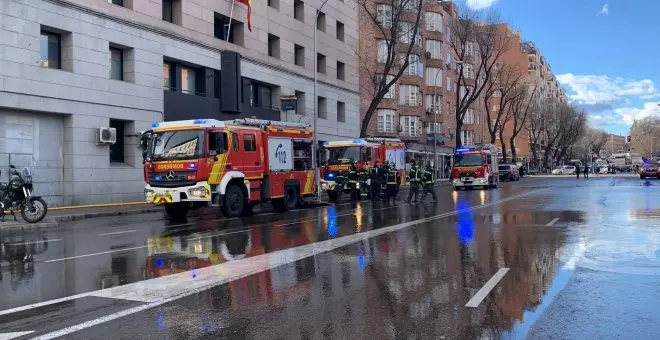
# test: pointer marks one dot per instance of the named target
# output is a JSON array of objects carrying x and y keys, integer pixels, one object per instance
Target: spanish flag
[{"x": 248, "y": 3}]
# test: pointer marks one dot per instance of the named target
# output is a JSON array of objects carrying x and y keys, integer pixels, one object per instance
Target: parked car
[
  {"x": 564, "y": 170},
  {"x": 649, "y": 170},
  {"x": 508, "y": 172}
]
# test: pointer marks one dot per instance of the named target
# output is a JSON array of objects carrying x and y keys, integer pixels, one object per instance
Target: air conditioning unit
[{"x": 106, "y": 135}]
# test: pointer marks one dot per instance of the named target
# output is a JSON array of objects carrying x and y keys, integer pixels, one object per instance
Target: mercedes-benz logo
[{"x": 170, "y": 175}]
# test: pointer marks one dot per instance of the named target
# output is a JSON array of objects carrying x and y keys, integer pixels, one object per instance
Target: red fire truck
[
  {"x": 475, "y": 166},
  {"x": 365, "y": 152},
  {"x": 234, "y": 164}
]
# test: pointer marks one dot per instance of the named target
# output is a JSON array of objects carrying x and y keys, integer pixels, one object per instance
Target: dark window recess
[
  {"x": 51, "y": 51},
  {"x": 340, "y": 31},
  {"x": 249, "y": 143},
  {"x": 299, "y": 55},
  {"x": 260, "y": 94},
  {"x": 117, "y": 2},
  {"x": 273, "y": 46},
  {"x": 274, "y": 4},
  {"x": 221, "y": 28},
  {"x": 341, "y": 73},
  {"x": 341, "y": 112},
  {"x": 116, "y": 64},
  {"x": 168, "y": 10},
  {"x": 299, "y": 10},
  {"x": 300, "y": 103},
  {"x": 117, "y": 149},
  {"x": 322, "y": 108},
  {"x": 320, "y": 63},
  {"x": 320, "y": 21},
  {"x": 234, "y": 142}
]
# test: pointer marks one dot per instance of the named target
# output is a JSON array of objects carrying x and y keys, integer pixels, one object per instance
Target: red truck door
[{"x": 250, "y": 159}]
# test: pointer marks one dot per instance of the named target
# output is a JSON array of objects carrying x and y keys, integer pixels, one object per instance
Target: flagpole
[{"x": 231, "y": 16}]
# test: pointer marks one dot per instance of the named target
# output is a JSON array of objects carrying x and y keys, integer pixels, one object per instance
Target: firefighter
[
  {"x": 429, "y": 183},
  {"x": 353, "y": 182},
  {"x": 392, "y": 187},
  {"x": 382, "y": 176},
  {"x": 363, "y": 176},
  {"x": 375, "y": 183},
  {"x": 414, "y": 179}
]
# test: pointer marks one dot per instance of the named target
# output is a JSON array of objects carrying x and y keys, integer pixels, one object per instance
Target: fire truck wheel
[
  {"x": 289, "y": 201},
  {"x": 177, "y": 211},
  {"x": 234, "y": 201}
]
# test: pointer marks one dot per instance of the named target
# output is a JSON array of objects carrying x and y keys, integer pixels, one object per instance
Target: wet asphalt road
[{"x": 574, "y": 258}]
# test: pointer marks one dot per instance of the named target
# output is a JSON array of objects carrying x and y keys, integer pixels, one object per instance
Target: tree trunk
[
  {"x": 493, "y": 137},
  {"x": 534, "y": 156},
  {"x": 459, "y": 126},
  {"x": 514, "y": 154},
  {"x": 504, "y": 158}
]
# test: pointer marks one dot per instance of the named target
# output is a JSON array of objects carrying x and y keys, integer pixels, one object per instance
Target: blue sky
[{"x": 604, "y": 52}]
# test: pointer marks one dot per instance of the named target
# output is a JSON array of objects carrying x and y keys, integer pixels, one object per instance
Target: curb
[{"x": 84, "y": 216}]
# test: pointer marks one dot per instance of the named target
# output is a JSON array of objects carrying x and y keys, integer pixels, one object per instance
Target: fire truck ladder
[
  {"x": 383, "y": 140},
  {"x": 263, "y": 123}
]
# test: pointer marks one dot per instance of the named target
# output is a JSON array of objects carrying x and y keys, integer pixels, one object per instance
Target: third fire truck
[
  {"x": 475, "y": 166},
  {"x": 234, "y": 164}
]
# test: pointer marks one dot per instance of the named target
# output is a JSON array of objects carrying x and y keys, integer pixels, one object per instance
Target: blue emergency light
[
  {"x": 331, "y": 175},
  {"x": 158, "y": 178},
  {"x": 199, "y": 121},
  {"x": 192, "y": 165},
  {"x": 463, "y": 150},
  {"x": 155, "y": 125}
]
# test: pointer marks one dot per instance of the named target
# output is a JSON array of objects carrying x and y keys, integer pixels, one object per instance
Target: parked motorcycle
[{"x": 17, "y": 195}]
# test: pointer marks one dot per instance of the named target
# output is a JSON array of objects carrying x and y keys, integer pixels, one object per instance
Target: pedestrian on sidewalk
[
  {"x": 429, "y": 183},
  {"x": 577, "y": 172},
  {"x": 586, "y": 172},
  {"x": 414, "y": 179}
]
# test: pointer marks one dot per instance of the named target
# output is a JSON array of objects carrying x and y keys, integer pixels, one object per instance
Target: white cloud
[
  {"x": 601, "y": 89},
  {"x": 605, "y": 10},
  {"x": 630, "y": 114},
  {"x": 480, "y": 4}
]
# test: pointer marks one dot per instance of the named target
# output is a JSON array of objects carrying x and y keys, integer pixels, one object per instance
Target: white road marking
[
  {"x": 7, "y": 336},
  {"x": 485, "y": 290},
  {"x": 94, "y": 254},
  {"x": 158, "y": 291},
  {"x": 552, "y": 222},
  {"x": 117, "y": 233},
  {"x": 32, "y": 242}
]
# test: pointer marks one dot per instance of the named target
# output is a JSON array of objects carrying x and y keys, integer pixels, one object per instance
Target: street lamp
[{"x": 317, "y": 174}]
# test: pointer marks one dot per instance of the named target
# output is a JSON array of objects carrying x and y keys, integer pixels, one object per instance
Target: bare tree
[
  {"x": 591, "y": 142},
  {"x": 505, "y": 78},
  {"x": 536, "y": 122},
  {"x": 477, "y": 44},
  {"x": 524, "y": 98},
  {"x": 645, "y": 133},
  {"x": 397, "y": 22},
  {"x": 562, "y": 126}
]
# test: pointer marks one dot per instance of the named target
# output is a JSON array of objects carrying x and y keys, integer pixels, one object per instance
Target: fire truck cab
[
  {"x": 475, "y": 166},
  {"x": 365, "y": 152},
  {"x": 233, "y": 164}
]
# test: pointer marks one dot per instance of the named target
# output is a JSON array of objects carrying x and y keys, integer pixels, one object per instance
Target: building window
[
  {"x": 299, "y": 10},
  {"x": 221, "y": 29},
  {"x": 249, "y": 143},
  {"x": 51, "y": 50},
  {"x": 322, "y": 107},
  {"x": 410, "y": 6},
  {"x": 300, "y": 103},
  {"x": 468, "y": 71},
  {"x": 116, "y": 64},
  {"x": 434, "y": 49},
  {"x": 495, "y": 108},
  {"x": 274, "y": 4},
  {"x": 320, "y": 63},
  {"x": 273, "y": 46},
  {"x": 261, "y": 94},
  {"x": 497, "y": 93},
  {"x": 406, "y": 30},
  {"x": 466, "y": 137},
  {"x": 340, "y": 31},
  {"x": 468, "y": 48},
  {"x": 340, "y": 71},
  {"x": 414, "y": 66},
  {"x": 320, "y": 21},
  {"x": 433, "y": 21},
  {"x": 448, "y": 33},
  {"x": 116, "y": 2},
  {"x": 187, "y": 80},
  {"x": 469, "y": 117},
  {"x": 411, "y": 126},
  {"x": 433, "y": 76},
  {"x": 391, "y": 92},
  {"x": 409, "y": 95},
  {"x": 235, "y": 141},
  {"x": 386, "y": 119},
  {"x": 466, "y": 91},
  {"x": 341, "y": 112},
  {"x": 168, "y": 76},
  {"x": 382, "y": 51},
  {"x": 117, "y": 149},
  {"x": 384, "y": 15},
  {"x": 433, "y": 103},
  {"x": 172, "y": 11},
  {"x": 433, "y": 128},
  {"x": 299, "y": 55}
]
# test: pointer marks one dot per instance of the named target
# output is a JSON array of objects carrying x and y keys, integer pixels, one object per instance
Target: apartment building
[
  {"x": 68, "y": 68},
  {"x": 422, "y": 100}
]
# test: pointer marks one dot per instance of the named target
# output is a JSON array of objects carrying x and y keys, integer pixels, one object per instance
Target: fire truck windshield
[
  {"x": 467, "y": 159},
  {"x": 343, "y": 155},
  {"x": 182, "y": 144}
]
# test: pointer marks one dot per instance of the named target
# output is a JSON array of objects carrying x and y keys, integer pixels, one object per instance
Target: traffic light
[{"x": 628, "y": 139}]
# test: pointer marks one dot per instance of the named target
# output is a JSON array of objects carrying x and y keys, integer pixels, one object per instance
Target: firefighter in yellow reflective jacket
[
  {"x": 353, "y": 182},
  {"x": 428, "y": 183},
  {"x": 414, "y": 179},
  {"x": 391, "y": 189},
  {"x": 363, "y": 176}
]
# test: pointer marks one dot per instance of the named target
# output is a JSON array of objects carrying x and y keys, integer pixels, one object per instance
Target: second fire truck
[
  {"x": 234, "y": 164},
  {"x": 475, "y": 166}
]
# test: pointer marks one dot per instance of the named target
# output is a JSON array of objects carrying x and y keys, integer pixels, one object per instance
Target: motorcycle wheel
[{"x": 39, "y": 210}]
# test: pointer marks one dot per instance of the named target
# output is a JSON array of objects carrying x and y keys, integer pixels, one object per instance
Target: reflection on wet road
[{"x": 358, "y": 270}]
